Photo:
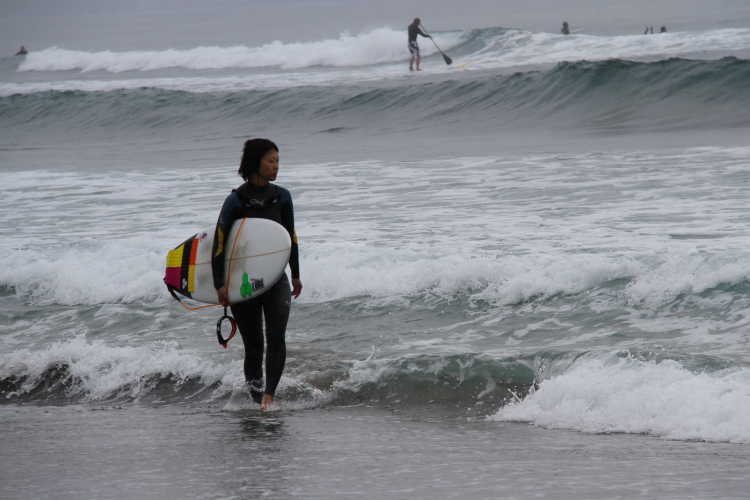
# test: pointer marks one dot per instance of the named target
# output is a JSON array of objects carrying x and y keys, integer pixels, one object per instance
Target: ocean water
[{"x": 524, "y": 276}]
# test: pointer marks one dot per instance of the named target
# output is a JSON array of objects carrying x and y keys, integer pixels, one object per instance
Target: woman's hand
[
  {"x": 223, "y": 296},
  {"x": 296, "y": 287}
]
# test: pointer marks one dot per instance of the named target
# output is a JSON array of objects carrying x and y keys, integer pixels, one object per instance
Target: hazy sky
[{"x": 160, "y": 24}]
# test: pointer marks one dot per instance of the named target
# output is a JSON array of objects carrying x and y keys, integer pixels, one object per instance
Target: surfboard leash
[
  {"x": 232, "y": 322},
  {"x": 191, "y": 308},
  {"x": 229, "y": 277}
]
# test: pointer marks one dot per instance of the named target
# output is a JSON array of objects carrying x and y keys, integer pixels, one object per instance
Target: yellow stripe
[
  {"x": 191, "y": 266},
  {"x": 174, "y": 257},
  {"x": 294, "y": 236},
  {"x": 191, "y": 279},
  {"x": 220, "y": 248}
]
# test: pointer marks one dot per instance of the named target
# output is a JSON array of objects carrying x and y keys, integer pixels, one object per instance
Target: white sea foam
[
  {"x": 496, "y": 231},
  {"x": 378, "y": 46},
  {"x": 519, "y": 48},
  {"x": 687, "y": 274},
  {"x": 99, "y": 371},
  {"x": 96, "y": 371},
  {"x": 374, "y": 56},
  {"x": 351, "y": 270},
  {"x": 627, "y": 395},
  {"x": 85, "y": 274},
  {"x": 90, "y": 273},
  {"x": 201, "y": 84}
]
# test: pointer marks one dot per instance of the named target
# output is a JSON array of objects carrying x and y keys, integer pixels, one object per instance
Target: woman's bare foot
[{"x": 267, "y": 402}]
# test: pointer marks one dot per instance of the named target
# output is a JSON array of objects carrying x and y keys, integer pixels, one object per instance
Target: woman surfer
[{"x": 258, "y": 197}]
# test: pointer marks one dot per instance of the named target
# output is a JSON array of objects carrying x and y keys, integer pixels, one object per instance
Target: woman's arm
[
  {"x": 227, "y": 216},
  {"x": 287, "y": 220}
]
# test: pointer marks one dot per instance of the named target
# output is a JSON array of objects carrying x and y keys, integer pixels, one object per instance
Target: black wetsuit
[
  {"x": 414, "y": 31},
  {"x": 266, "y": 202}
]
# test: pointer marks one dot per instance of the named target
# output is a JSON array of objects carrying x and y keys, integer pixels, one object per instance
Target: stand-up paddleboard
[{"x": 257, "y": 253}]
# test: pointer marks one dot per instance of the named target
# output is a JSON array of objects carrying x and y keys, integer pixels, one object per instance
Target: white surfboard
[{"x": 257, "y": 252}]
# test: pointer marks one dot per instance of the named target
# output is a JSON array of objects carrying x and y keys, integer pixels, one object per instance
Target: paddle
[{"x": 448, "y": 60}]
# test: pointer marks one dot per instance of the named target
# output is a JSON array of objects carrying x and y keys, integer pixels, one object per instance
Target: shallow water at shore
[{"x": 88, "y": 451}]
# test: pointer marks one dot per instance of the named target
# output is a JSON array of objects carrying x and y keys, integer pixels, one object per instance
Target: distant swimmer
[
  {"x": 22, "y": 52},
  {"x": 647, "y": 30},
  {"x": 565, "y": 29},
  {"x": 415, "y": 30},
  {"x": 663, "y": 29}
]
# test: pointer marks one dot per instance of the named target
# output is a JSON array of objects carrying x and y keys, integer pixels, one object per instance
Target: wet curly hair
[{"x": 252, "y": 153}]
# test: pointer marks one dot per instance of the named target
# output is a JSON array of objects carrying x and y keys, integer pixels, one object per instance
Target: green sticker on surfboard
[{"x": 246, "y": 289}]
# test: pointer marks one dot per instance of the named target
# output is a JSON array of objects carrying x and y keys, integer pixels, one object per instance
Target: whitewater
[
  {"x": 380, "y": 51},
  {"x": 529, "y": 267},
  {"x": 557, "y": 238}
]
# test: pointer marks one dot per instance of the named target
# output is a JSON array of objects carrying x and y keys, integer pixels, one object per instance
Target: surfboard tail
[{"x": 180, "y": 273}]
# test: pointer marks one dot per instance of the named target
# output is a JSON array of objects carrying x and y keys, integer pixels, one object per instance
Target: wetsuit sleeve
[
  {"x": 229, "y": 213},
  {"x": 423, "y": 33},
  {"x": 287, "y": 220}
]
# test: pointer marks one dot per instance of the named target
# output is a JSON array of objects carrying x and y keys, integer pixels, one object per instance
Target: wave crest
[
  {"x": 490, "y": 48},
  {"x": 633, "y": 396},
  {"x": 375, "y": 47},
  {"x": 610, "y": 96}
]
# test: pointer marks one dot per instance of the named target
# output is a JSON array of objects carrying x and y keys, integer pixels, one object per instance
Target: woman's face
[{"x": 269, "y": 166}]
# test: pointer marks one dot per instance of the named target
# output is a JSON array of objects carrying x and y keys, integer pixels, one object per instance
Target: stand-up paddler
[{"x": 414, "y": 31}]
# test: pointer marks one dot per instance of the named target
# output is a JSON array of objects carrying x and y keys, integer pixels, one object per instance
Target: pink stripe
[{"x": 173, "y": 276}]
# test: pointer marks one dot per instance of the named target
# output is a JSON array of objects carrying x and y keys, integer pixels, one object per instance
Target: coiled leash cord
[
  {"x": 222, "y": 341},
  {"x": 229, "y": 277}
]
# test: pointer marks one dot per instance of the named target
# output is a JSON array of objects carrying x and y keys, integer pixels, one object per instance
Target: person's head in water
[
  {"x": 565, "y": 29},
  {"x": 260, "y": 161},
  {"x": 663, "y": 29},
  {"x": 417, "y": 21}
]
